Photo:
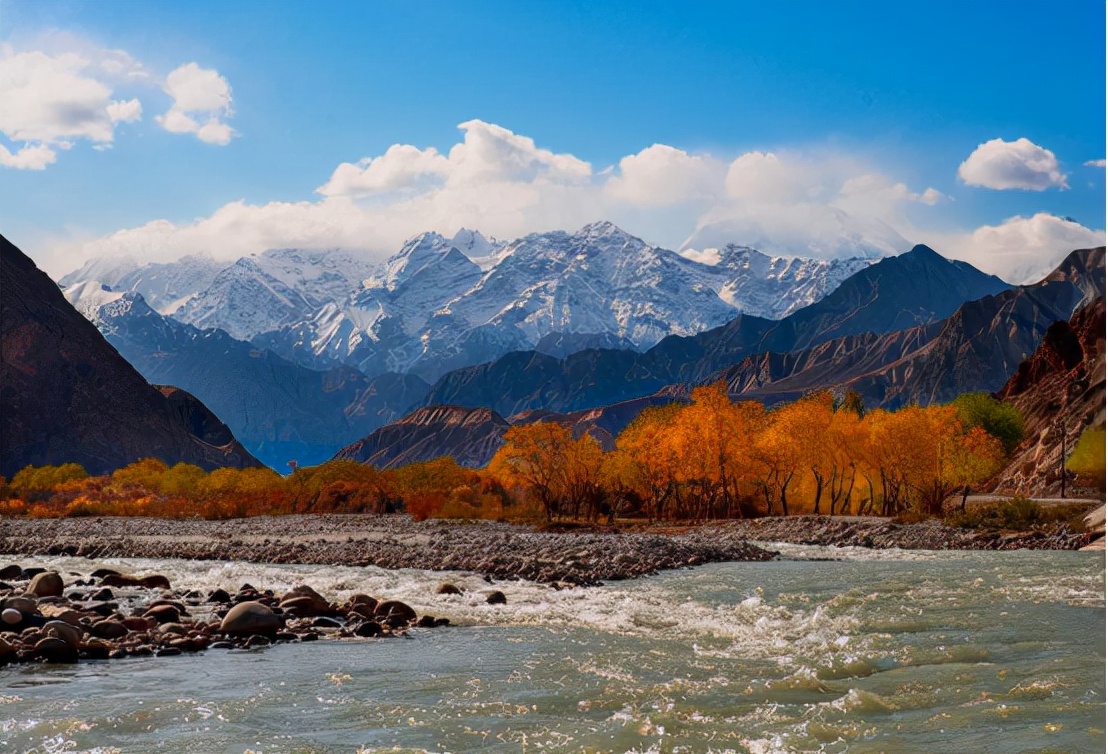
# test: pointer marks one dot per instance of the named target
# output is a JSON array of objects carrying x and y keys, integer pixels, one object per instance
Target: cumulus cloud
[
  {"x": 1095, "y": 163},
  {"x": 1020, "y": 249},
  {"x": 28, "y": 158},
  {"x": 49, "y": 99},
  {"x": 661, "y": 175},
  {"x": 1019, "y": 164},
  {"x": 401, "y": 167},
  {"x": 507, "y": 185},
  {"x": 201, "y": 100},
  {"x": 65, "y": 90},
  {"x": 824, "y": 205},
  {"x": 125, "y": 112}
]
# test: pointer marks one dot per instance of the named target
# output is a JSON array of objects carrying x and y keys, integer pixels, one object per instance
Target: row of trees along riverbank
[{"x": 710, "y": 458}]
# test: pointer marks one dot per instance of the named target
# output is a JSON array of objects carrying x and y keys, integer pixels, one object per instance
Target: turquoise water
[{"x": 878, "y": 652}]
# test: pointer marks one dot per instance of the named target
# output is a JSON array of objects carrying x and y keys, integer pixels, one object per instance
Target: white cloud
[
  {"x": 201, "y": 100},
  {"x": 663, "y": 176},
  {"x": 1020, "y": 249},
  {"x": 62, "y": 92},
  {"x": 125, "y": 112},
  {"x": 49, "y": 99},
  {"x": 819, "y": 204},
  {"x": 401, "y": 167},
  {"x": 1095, "y": 163},
  {"x": 1019, "y": 164},
  {"x": 28, "y": 158},
  {"x": 815, "y": 203}
]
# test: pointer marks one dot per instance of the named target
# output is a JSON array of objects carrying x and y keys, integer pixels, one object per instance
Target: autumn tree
[
  {"x": 644, "y": 464},
  {"x": 37, "y": 482},
  {"x": 781, "y": 450}
]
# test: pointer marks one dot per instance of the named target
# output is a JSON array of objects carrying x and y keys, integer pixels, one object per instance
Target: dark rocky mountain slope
[
  {"x": 1059, "y": 389},
  {"x": 471, "y": 436},
  {"x": 976, "y": 348},
  {"x": 67, "y": 396},
  {"x": 914, "y": 289}
]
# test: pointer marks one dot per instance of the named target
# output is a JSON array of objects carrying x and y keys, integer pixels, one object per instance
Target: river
[{"x": 875, "y": 651}]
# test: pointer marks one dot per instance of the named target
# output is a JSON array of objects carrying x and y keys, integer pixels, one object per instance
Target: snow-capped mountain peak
[{"x": 441, "y": 303}]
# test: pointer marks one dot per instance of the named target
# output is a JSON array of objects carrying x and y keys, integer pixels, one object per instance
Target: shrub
[{"x": 1001, "y": 420}]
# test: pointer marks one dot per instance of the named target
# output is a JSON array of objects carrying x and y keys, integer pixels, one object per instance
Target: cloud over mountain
[{"x": 1019, "y": 164}]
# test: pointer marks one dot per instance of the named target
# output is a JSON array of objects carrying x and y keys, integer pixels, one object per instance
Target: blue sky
[{"x": 766, "y": 112}]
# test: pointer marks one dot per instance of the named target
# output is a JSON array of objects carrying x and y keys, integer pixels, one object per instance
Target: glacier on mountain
[{"x": 441, "y": 303}]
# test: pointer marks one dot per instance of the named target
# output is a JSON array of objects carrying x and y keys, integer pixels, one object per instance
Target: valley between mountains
[{"x": 306, "y": 353}]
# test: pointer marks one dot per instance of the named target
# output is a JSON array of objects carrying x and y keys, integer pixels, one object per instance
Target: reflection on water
[{"x": 876, "y": 652}]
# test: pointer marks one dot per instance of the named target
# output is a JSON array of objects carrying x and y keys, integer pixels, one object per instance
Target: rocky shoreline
[
  {"x": 583, "y": 557},
  {"x": 883, "y": 533},
  {"x": 50, "y": 617}
]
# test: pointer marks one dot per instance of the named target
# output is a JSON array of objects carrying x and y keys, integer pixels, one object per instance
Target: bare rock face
[
  {"x": 67, "y": 396},
  {"x": 471, "y": 435},
  {"x": 1060, "y": 388}
]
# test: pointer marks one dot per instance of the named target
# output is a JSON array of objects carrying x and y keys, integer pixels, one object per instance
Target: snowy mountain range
[{"x": 442, "y": 303}]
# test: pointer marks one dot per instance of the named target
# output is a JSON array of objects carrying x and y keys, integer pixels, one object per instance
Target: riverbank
[
  {"x": 883, "y": 533},
  {"x": 501, "y": 551},
  {"x": 574, "y": 556}
]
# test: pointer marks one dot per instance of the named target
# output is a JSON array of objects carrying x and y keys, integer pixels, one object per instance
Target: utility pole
[{"x": 1062, "y": 422}]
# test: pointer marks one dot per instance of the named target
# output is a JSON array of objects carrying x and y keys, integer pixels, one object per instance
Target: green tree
[{"x": 1001, "y": 420}]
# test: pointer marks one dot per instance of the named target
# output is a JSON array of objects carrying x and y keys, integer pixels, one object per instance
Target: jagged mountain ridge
[
  {"x": 67, "y": 396},
  {"x": 281, "y": 411},
  {"x": 433, "y": 309},
  {"x": 916, "y": 287},
  {"x": 976, "y": 348},
  {"x": 440, "y": 304}
]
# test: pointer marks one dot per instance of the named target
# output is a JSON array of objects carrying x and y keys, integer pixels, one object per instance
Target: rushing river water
[{"x": 880, "y": 651}]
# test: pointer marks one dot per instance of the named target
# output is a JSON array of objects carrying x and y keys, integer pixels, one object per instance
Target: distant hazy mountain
[
  {"x": 67, "y": 396},
  {"x": 914, "y": 288},
  {"x": 444, "y": 303},
  {"x": 166, "y": 286},
  {"x": 279, "y": 410}
]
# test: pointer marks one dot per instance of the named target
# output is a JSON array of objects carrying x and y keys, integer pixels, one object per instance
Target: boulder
[
  {"x": 250, "y": 618},
  {"x": 52, "y": 649},
  {"x": 62, "y": 613},
  {"x": 10, "y": 617},
  {"x": 46, "y": 584},
  {"x": 219, "y": 595},
  {"x": 62, "y": 630},
  {"x": 108, "y": 629},
  {"x": 448, "y": 589},
  {"x": 163, "y": 614},
  {"x": 368, "y": 629},
  {"x": 10, "y": 573},
  {"x": 25, "y": 605},
  {"x": 7, "y": 650},
  {"x": 305, "y": 601},
  {"x": 395, "y": 612},
  {"x": 147, "y": 582},
  {"x": 496, "y": 598}
]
